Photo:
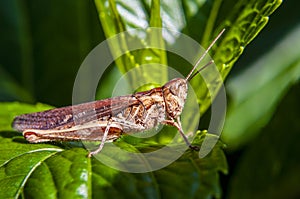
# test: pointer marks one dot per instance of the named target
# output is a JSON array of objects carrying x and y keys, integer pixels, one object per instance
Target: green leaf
[
  {"x": 68, "y": 173},
  {"x": 270, "y": 165},
  {"x": 18, "y": 161},
  {"x": 119, "y": 16},
  {"x": 243, "y": 20},
  {"x": 271, "y": 75},
  {"x": 48, "y": 171}
]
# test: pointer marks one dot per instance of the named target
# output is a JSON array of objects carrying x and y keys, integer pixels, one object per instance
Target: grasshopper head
[{"x": 175, "y": 93}]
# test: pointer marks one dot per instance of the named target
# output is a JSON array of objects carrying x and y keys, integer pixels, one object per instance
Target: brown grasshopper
[{"x": 124, "y": 114}]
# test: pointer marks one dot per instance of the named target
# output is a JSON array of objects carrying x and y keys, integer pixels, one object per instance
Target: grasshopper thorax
[{"x": 175, "y": 93}]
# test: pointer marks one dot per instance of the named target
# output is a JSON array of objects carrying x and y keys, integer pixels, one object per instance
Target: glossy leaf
[
  {"x": 117, "y": 17},
  {"x": 242, "y": 23},
  {"x": 36, "y": 170}
]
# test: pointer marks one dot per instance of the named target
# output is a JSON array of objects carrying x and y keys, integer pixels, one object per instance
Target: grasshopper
[{"x": 114, "y": 116}]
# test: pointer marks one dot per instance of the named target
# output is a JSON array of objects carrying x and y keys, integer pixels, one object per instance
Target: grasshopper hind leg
[{"x": 102, "y": 141}]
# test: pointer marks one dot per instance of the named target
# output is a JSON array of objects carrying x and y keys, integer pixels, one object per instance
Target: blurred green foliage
[
  {"x": 262, "y": 125},
  {"x": 42, "y": 47}
]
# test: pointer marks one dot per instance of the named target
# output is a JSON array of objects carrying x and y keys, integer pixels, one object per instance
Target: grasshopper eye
[
  {"x": 177, "y": 87},
  {"x": 174, "y": 91}
]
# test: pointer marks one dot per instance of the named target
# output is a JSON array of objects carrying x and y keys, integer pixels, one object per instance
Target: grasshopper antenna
[
  {"x": 201, "y": 69},
  {"x": 189, "y": 76}
]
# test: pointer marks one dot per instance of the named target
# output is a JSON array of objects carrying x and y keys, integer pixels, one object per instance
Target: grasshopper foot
[{"x": 194, "y": 148}]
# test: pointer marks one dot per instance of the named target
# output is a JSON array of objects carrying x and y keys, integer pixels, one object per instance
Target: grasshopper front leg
[{"x": 177, "y": 124}]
